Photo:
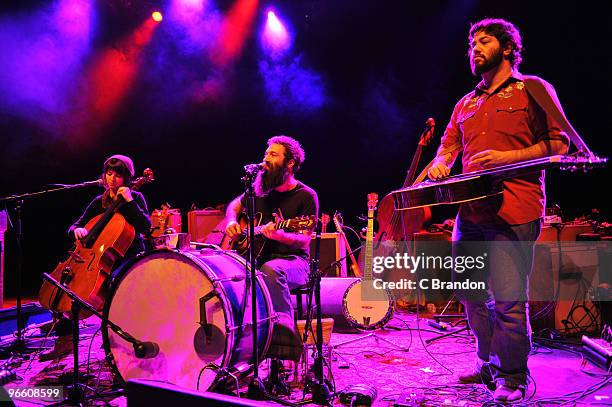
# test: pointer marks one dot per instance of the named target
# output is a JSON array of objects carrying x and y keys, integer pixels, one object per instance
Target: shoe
[
  {"x": 480, "y": 374},
  {"x": 285, "y": 343},
  {"x": 508, "y": 394},
  {"x": 63, "y": 346}
]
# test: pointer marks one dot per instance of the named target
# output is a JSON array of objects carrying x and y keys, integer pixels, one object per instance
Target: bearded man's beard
[
  {"x": 266, "y": 181},
  {"x": 489, "y": 63}
]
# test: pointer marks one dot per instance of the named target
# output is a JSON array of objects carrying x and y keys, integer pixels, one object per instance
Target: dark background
[{"x": 385, "y": 67}]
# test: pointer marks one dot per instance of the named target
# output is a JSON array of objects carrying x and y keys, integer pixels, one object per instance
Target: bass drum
[{"x": 194, "y": 306}]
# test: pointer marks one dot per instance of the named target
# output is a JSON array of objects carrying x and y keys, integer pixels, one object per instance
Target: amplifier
[
  {"x": 332, "y": 255},
  {"x": 166, "y": 221},
  {"x": 568, "y": 232},
  {"x": 570, "y": 286},
  {"x": 206, "y": 226}
]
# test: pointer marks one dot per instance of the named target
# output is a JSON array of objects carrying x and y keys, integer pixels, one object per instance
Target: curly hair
[
  {"x": 505, "y": 32},
  {"x": 293, "y": 150}
]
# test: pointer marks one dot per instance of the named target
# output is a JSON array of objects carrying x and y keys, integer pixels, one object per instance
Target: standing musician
[
  {"x": 284, "y": 259},
  {"x": 498, "y": 123},
  {"x": 117, "y": 173}
]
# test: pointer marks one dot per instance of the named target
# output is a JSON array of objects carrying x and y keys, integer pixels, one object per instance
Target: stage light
[
  {"x": 275, "y": 36},
  {"x": 157, "y": 16},
  {"x": 274, "y": 24}
]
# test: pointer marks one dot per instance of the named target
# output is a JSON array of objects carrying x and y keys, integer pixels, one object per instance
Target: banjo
[{"x": 365, "y": 307}]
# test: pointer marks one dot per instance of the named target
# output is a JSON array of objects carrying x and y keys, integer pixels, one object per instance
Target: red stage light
[{"x": 157, "y": 16}]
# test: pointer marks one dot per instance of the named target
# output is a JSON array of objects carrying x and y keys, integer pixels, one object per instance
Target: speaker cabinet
[
  {"x": 570, "y": 286},
  {"x": 332, "y": 255},
  {"x": 162, "y": 220},
  {"x": 206, "y": 226}
]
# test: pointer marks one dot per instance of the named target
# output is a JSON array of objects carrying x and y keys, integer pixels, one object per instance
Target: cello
[{"x": 91, "y": 261}]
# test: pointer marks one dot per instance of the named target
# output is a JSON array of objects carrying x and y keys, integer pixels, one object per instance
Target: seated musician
[
  {"x": 499, "y": 123},
  {"x": 117, "y": 173},
  {"x": 284, "y": 259}
]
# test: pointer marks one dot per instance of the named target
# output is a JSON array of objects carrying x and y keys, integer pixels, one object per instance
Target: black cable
[
  {"x": 89, "y": 349},
  {"x": 450, "y": 372}
]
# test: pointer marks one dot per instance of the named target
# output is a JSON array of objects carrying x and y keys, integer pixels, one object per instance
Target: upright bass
[
  {"x": 401, "y": 225},
  {"x": 91, "y": 261}
]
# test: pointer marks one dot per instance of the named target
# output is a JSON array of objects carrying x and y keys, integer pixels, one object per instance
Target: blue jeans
[
  {"x": 281, "y": 275},
  {"x": 499, "y": 317}
]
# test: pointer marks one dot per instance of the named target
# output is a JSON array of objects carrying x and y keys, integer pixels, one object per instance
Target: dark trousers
[
  {"x": 499, "y": 316},
  {"x": 281, "y": 275}
]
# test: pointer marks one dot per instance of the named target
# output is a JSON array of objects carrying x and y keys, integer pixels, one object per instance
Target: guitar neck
[
  {"x": 413, "y": 166},
  {"x": 369, "y": 246},
  {"x": 281, "y": 224}
]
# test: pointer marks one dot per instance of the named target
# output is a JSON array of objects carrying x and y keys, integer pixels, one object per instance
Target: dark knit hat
[{"x": 127, "y": 161}]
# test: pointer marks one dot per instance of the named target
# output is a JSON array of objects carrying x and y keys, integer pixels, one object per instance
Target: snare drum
[{"x": 194, "y": 306}]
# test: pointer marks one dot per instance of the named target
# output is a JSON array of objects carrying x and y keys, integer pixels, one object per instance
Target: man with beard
[
  {"x": 499, "y": 123},
  {"x": 284, "y": 259}
]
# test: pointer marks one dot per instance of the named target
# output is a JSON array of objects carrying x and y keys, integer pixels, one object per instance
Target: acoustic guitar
[{"x": 242, "y": 242}]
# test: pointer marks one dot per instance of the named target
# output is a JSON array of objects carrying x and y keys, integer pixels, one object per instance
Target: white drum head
[{"x": 158, "y": 301}]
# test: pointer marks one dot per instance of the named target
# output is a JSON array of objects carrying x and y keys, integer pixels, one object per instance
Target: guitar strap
[{"x": 546, "y": 97}]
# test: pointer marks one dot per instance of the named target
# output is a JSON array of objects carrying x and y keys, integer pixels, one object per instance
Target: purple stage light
[
  {"x": 44, "y": 52},
  {"x": 275, "y": 38}
]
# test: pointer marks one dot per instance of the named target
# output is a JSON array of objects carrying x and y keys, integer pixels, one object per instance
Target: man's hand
[
  {"x": 269, "y": 230},
  {"x": 233, "y": 229},
  {"x": 438, "y": 170},
  {"x": 492, "y": 158},
  {"x": 126, "y": 193},
  {"x": 80, "y": 233}
]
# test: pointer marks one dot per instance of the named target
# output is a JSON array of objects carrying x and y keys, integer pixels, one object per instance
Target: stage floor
[{"x": 395, "y": 363}]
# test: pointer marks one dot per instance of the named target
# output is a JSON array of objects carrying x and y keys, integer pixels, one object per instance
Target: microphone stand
[
  {"x": 256, "y": 390},
  {"x": 19, "y": 344},
  {"x": 321, "y": 394},
  {"x": 76, "y": 395},
  {"x": 338, "y": 263}
]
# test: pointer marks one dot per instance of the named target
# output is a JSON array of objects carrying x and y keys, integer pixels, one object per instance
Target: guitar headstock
[
  {"x": 338, "y": 221},
  {"x": 325, "y": 219},
  {"x": 428, "y": 134},
  {"x": 372, "y": 201},
  {"x": 147, "y": 177}
]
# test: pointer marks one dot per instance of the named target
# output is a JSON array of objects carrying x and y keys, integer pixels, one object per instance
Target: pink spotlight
[{"x": 275, "y": 37}]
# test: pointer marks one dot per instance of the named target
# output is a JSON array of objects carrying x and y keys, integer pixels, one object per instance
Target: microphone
[
  {"x": 146, "y": 350},
  {"x": 97, "y": 183},
  {"x": 253, "y": 168}
]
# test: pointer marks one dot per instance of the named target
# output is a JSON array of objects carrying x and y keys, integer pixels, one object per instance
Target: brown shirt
[{"x": 505, "y": 119}]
